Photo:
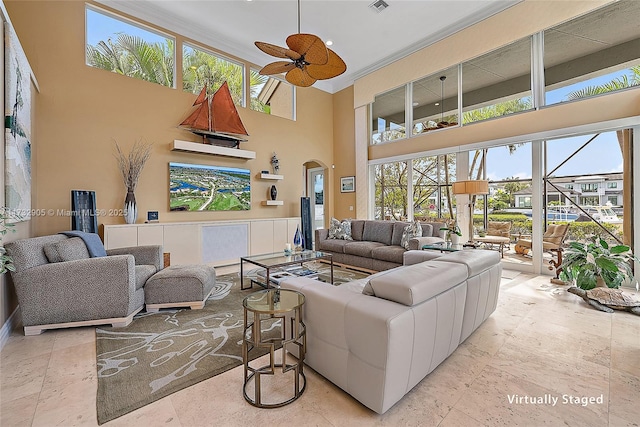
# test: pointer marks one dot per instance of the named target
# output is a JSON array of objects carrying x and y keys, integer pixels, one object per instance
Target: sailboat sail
[
  {"x": 225, "y": 117},
  {"x": 199, "y": 119},
  {"x": 216, "y": 117}
]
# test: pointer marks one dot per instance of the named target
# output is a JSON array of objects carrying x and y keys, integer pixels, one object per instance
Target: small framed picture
[
  {"x": 347, "y": 184},
  {"x": 152, "y": 216}
]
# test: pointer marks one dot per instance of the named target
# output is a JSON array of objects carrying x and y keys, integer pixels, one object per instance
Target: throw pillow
[
  {"x": 410, "y": 231},
  {"x": 340, "y": 230},
  {"x": 51, "y": 252},
  {"x": 66, "y": 250}
]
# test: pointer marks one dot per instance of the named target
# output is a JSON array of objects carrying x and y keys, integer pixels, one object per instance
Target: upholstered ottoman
[{"x": 179, "y": 286}]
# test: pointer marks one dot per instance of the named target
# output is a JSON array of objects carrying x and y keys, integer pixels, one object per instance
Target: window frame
[
  {"x": 133, "y": 23},
  {"x": 281, "y": 79},
  {"x": 209, "y": 51}
]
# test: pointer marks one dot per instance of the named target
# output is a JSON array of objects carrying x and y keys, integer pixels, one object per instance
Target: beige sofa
[
  {"x": 376, "y": 244},
  {"x": 378, "y": 347}
]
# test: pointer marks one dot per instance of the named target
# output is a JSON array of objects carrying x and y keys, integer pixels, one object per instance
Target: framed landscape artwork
[
  {"x": 17, "y": 128},
  {"x": 208, "y": 188},
  {"x": 347, "y": 184}
]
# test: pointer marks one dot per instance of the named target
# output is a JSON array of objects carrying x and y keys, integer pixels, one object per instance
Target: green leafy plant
[
  {"x": 452, "y": 228},
  {"x": 584, "y": 263},
  {"x": 6, "y": 262}
]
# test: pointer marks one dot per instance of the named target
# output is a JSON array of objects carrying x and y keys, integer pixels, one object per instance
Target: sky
[
  {"x": 101, "y": 27},
  {"x": 600, "y": 156}
]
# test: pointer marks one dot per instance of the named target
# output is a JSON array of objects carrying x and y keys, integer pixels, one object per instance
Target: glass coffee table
[
  {"x": 443, "y": 247},
  {"x": 278, "y": 260}
]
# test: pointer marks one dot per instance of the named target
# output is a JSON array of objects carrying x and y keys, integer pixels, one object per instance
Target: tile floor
[{"x": 541, "y": 342}]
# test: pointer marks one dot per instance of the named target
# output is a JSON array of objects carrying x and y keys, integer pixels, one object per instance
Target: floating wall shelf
[
  {"x": 197, "y": 147},
  {"x": 271, "y": 176},
  {"x": 272, "y": 202}
]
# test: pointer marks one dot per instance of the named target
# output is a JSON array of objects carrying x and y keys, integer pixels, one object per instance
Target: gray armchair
[{"x": 77, "y": 290}]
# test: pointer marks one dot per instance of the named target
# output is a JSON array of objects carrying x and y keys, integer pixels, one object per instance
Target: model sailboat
[{"x": 216, "y": 119}]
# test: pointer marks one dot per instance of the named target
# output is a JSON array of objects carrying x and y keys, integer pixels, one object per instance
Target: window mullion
[
  {"x": 537, "y": 70},
  {"x": 410, "y": 189},
  {"x": 408, "y": 110},
  {"x": 460, "y": 95}
]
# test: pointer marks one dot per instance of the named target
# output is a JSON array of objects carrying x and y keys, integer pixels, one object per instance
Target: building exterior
[{"x": 593, "y": 190}]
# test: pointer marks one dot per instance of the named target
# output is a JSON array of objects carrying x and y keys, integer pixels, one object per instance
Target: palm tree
[
  {"x": 256, "y": 80},
  {"x": 132, "y": 56},
  {"x": 497, "y": 110},
  {"x": 200, "y": 68},
  {"x": 622, "y": 82}
]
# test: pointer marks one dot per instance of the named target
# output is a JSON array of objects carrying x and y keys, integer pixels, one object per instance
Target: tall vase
[
  {"x": 273, "y": 192},
  {"x": 130, "y": 208},
  {"x": 297, "y": 239}
]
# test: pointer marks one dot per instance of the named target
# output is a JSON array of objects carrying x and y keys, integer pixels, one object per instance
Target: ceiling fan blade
[
  {"x": 334, "y": 67},
  {"x": 312, "y": 47},
  {"x": 277, "y": 51},
  {"x": 277, "y": 67},
  {"x": 299, "y": 77}
]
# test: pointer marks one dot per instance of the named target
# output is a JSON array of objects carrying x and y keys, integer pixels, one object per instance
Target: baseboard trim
[{"x": 6, "y": 329}]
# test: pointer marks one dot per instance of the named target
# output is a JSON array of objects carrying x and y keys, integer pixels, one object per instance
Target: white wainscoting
[{"x": 206, "y": 242}]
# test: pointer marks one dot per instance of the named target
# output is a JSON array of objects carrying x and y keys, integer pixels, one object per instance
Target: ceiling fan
[{"x": 309, "y": 59}]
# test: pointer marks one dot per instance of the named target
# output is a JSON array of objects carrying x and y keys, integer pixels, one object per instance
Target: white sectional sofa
[{"x": 378, "y": 347}]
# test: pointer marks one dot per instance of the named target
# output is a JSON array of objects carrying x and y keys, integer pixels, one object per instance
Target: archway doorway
[{"x": 315, "y": 192}]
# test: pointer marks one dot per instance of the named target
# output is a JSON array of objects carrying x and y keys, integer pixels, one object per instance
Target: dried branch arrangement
[{"x": 131, "y": 165}]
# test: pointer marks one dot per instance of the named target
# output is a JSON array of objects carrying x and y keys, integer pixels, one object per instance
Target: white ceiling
[{"x": 366, "y": 40}]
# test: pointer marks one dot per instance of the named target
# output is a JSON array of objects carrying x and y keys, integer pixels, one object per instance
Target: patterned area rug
[{"x": 161, "y": 353}]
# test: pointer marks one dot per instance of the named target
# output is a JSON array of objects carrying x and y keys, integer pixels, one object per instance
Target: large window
[
  {"x": 432, "y": 178},
  {"x": 200, "y": 67},
  {"x": 125, "y": 48},
  {"x": 509, "y": 170},
  {"x": 435, "y": 101},
  {"x": 391, "y": 191},
  {"x": 593, "y": 54},
  {"x": 387, "y": 115},
  {"x": 588, "y": 161},
  {"x": 272, "y": 95},
  {"x": 497, "y": 83}
]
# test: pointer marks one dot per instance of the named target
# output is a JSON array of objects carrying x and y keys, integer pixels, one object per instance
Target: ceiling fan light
[
  {"x": 310, "y": 46},
  {"x": 311, "y": 59}
]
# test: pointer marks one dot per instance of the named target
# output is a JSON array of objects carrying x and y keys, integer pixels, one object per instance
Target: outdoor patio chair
[
  {"x": 552, "y": 241},
  {"x": 498, "y": 236}
]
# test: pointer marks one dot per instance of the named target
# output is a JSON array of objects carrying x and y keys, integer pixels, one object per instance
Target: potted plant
[
  {"x": 595, "y": 263},
  {"x": 6, "y": 263},
  {"x": 453, "y": 232}
]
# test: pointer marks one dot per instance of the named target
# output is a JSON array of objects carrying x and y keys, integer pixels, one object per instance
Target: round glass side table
[{"x": 273, "y": 326}]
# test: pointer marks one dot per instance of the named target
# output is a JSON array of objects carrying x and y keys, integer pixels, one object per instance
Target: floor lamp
[{"x": 471, "y": 188}]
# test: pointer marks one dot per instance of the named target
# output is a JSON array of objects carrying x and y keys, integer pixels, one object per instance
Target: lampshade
[{"x": 471, "y": 187}]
